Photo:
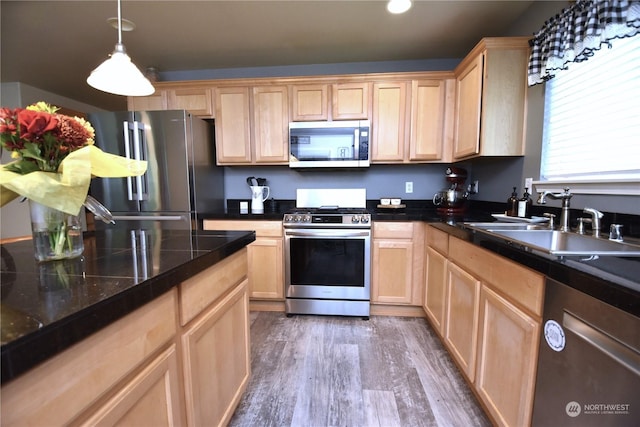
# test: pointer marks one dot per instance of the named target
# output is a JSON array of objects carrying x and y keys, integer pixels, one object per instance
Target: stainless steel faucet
[
  {"x": 565, "y": 196},
  {"x": 596, "y": 215}
]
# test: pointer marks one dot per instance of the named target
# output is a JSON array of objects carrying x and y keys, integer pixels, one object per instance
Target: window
[{"x": 592, "y": 121}]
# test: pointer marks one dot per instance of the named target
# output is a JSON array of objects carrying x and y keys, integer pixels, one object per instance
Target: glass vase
[{"x": 56, "y": 234}]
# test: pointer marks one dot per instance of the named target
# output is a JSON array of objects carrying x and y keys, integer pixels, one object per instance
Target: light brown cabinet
[
  {"x": 506, "y": 384},
  {"x": 397, "y": 263},
  {"x": 389, "y": 122},
  {"x": 432, "y": 118},
  {"x": 157, "y": 101},
  {"x": 350, "y": 101},
  {"x": 461, "y": 318},
  {"x": 252, "y": 125},
  {"x": 436, "y": 277},
  {"x": 216, "y": 359},
  {"x": 309, "y": 102},
  {"x": 271, "y": 124},
  {"x": 495, "y": 306},
  {"x": 265, "y": 256},
  {"x": 412, "y": 121},
  {"x": 196, "y": 99},
  {"x": 491, "y": 90}
]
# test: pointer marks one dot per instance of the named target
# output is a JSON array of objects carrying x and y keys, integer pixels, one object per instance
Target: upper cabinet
[
  {"x": 309, "y": 102},
  {"x": 195, "y": 99},
  {"x": 350, "y": 101},
  {"x": 252, "y": 125},
  {"x": 491, "y": 90},
  {"x": 412, "y": 121}
]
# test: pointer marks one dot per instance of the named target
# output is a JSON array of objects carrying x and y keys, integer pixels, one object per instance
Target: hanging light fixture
[
  {"x": 118, "y": 75},
  {"x": 398, "y": 6}
]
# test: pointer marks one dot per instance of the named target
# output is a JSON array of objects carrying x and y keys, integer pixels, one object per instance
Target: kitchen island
[{"x": 140, "y": 308}]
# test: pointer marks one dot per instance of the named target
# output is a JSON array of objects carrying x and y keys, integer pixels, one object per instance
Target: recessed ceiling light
[
  {"x": 398, "y": 6},
  {"x": 126, "y": 24}
]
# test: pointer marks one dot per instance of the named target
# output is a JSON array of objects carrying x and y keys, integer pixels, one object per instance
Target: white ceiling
[{"x": 54, "y": 45}]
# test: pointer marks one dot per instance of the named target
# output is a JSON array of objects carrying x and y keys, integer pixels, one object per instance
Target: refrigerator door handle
[
  {"x": 139, "y": 147},
  {"x": 126, "y": 128}
]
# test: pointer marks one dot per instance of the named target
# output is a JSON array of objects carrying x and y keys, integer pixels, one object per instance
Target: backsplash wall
[{"x": 379, "y": 180}]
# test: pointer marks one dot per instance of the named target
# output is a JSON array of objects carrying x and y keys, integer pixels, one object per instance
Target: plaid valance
[{"x": 577, "y": 32}]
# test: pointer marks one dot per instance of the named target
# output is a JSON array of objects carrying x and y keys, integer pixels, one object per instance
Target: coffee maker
[{"x": 452, "y": 202}]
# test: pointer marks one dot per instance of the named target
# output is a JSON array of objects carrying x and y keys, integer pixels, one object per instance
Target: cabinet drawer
[
  {"x": 438, "y": 240},
  {"x": 262, "y": 228},
  {"x": 522, "y": 286},
  {"x": 56, "y": 391},
  {"x": 393, "y": 230},
  {"x": 199, "y": 291}
]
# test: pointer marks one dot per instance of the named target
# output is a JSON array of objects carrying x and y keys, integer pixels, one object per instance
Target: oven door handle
[{"x": 328, "y": 233}]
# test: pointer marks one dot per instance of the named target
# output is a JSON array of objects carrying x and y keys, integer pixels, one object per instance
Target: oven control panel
[{"x": 335, "y": 220}]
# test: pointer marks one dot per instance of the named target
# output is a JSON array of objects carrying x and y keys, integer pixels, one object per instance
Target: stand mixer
[{"x": 452, "y": 202}]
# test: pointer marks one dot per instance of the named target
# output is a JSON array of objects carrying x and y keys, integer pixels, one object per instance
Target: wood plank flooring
[{"x": 317, "y": 371}]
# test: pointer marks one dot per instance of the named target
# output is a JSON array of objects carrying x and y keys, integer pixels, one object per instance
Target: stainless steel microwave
[{"x": 329, "y": 144}]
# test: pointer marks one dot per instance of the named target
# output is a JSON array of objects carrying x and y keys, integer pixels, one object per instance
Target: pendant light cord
[{"x": 119, "y": 24}]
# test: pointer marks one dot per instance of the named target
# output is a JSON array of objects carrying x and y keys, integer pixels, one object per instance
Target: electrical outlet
[
  {"x": 528, "y": 183},
  {"x": 408, "y": 187}
]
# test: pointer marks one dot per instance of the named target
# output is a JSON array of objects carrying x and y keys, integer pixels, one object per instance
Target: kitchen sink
[{"x": 560, "y": 243}]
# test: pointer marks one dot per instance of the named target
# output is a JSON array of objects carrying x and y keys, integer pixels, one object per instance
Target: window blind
[{"x": 592, "y": 117}]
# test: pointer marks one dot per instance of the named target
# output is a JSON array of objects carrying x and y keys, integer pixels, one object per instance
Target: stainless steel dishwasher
[{"x": 589, "y": 362}]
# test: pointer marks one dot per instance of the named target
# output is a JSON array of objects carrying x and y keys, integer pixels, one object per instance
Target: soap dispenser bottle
[
  {"x": 512, "y": 204},
  {"x": 524, "y": 205}
]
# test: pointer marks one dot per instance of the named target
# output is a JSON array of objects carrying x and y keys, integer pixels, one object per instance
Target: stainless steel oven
[{"x": 328, "y": 261}]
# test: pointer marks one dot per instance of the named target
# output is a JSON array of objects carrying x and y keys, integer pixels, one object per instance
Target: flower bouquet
[{"x": 55, "y": 159}]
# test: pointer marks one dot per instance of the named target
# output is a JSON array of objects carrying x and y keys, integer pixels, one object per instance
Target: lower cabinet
[
  {"x": 397, "y": 263},
  {"x": 216, "y": 360},
  {"x": 181, "y": 359},
  {"x": 461, "y": 319},
  {"x": 265, "y": 255},
  {"x": 491, "y": 324},
  {"x": 507, "y": 358},
  {"x": 152, "y": 398}
]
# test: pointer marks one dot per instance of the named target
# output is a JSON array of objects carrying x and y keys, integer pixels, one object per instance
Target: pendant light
[
  {"x": 118, "y": 75},
  {"x": 398, "y": 6}
]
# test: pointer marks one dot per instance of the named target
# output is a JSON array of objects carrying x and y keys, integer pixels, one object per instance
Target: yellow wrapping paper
[{"x": 68, "y": 189}]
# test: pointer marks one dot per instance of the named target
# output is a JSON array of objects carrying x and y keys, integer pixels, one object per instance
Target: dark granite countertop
[{"x": 47, "y": 307}]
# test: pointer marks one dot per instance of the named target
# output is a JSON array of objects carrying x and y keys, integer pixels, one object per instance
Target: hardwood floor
[{"x": 321, "y": 371}]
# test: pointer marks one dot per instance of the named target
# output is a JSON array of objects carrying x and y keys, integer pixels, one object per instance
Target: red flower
[{"x": 34, "y": 124}]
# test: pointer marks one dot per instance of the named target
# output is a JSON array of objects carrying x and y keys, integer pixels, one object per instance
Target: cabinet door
[
  {"x": 350, "y": 101},
  {"x": 461, "y": 320},
  {"x": 435, "y": 290},
  {"x": 507, "y": 358},
  {"x": 152, "y": 397},
  {"x": 428, "y": 113},
  {"x": 309, "y": 102},
  {"x": 196, "y": 100},
  {"x": 389, "y": 122},
  {"x": 266, "y": 272},
  {"x": 233, "y": 143},
  {"x": 216, "y": 360},
  {"x": 157, "y": 101},
  {"x": 391, "y": 277},
  {"x": 468, "y": 107},
  {"x": 271, "y": 124}
]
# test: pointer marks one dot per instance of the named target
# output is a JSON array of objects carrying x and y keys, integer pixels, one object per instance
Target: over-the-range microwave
[{"x": 329, "y": 144}]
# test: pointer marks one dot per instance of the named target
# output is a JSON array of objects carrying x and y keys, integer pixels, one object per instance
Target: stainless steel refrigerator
[{"x": 182, "y": 182}]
